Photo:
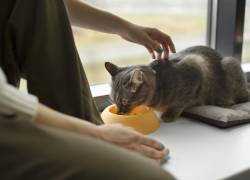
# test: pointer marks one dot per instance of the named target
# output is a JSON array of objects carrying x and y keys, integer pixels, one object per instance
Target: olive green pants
[
  {"x": 32, "y": 152},
  {"x": 36, "y": 43}
]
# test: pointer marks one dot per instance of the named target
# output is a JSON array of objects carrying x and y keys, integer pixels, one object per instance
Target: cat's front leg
[{"x": 171, "y": 114}]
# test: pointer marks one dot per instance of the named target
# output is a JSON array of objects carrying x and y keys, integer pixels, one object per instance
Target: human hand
[
  {"x": 153, "y": 39},
  {"x": 130, "y": 139}
]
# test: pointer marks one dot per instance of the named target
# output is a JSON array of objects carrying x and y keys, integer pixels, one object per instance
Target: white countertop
[{"x": 203, "y": 152}]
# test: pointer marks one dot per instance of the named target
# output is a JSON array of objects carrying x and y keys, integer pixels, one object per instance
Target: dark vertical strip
[
  {"x": 209, "y": 22},
  {"x": 229, "y": 27}
]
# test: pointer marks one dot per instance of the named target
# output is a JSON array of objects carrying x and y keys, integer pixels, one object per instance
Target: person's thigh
[
  {"x": 39, "y": 46},
  {"x": 32, "y": 152}
]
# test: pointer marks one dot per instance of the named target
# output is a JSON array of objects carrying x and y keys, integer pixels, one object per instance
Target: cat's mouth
[{"x": 123, "y": 110}]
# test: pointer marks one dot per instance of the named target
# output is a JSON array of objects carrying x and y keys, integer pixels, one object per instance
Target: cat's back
[
  {"x": 202, "y": 66},
  {"x": 203, "y": 51},
  {"x": 199, "y": 58}
]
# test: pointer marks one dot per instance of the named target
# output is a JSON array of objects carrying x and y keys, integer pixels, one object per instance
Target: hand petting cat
[{"x": 157, "y": 43}]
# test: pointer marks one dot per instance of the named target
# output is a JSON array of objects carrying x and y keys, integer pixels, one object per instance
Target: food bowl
[{"x": 142, "y": 118}]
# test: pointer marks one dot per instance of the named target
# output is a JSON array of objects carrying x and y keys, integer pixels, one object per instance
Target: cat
[{"x": 194, "y": 76}]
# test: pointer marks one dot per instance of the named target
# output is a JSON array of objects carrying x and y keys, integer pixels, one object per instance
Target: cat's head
[{"x": 131, "y": 85}]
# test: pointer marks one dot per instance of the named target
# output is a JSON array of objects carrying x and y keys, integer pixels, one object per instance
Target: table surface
[{"x": 201, "y": 151}]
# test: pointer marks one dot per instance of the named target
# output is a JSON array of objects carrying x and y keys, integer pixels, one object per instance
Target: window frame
[{"x": 226, "y": 36}]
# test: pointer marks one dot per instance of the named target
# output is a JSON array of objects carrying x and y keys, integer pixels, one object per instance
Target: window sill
[
  {"x": 100, "y": 93},
  {"x": 246, "y": 67},
  {"x": 100, "y": 90}
]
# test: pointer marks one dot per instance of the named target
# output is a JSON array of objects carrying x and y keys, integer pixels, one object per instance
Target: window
[
  {"x": 246, "y": 43},
  {"x": 184, "y": 20}
]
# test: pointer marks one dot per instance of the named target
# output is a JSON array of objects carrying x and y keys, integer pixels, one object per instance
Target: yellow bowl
[{"x": 142, "y": 118}]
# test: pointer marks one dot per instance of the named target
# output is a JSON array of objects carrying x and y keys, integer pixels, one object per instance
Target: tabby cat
[{"x": 195, "y": 76}]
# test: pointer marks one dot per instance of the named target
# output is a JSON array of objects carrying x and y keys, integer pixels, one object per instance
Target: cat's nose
[{"x": 121, "y": 109}]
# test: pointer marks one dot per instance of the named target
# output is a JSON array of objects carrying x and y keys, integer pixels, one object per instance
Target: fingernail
[
  {"x": 161, "y": 147},
  {"x": 165, "y": 159},
  {"x": 166, "y": 152}
]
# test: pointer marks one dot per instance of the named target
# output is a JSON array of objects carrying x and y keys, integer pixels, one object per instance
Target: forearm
[
  {"x": 86, "y": 16},
  {"x": 52, "y": 118}
]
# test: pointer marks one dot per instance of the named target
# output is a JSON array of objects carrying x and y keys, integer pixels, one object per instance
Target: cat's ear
[
  {"x": 137, "y": 76},
  {"x": 111, "y": 68}
]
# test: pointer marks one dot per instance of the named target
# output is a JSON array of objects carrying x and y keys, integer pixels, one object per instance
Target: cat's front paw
[
  {"x": 167, "y": 117},
  {"x": 171, "y": 114}
]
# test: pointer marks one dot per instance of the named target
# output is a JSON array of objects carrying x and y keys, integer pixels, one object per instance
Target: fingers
[
  {"x": 152, "y": 148},
  {"x": 159, "y": 44},
  {"x": 151, "y": 152},
  {"x": 171, "y": 46},
  {"x": 151, "y": 52},
  {"x": 154, "y": 48},
  {"x": 151, "y": 142},
  {"x": 158, "y": 53},
  {"x": 166, "y": 43},
  {"x": 167, "y": 46},
  {"x": 162, "y": 161}
]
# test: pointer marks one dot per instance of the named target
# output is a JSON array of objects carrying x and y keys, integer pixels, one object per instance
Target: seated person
[{"x": 52, "y": 138}]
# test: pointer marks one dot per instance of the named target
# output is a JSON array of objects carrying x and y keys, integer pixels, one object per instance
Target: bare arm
[
  {"x": 86, "y": 16},
  {"x": 49, "y": 117}
]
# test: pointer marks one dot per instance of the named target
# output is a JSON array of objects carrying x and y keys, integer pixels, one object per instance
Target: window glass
[
  {"x": 246, "y": 43},
  {"x": 184, "y": 20}
]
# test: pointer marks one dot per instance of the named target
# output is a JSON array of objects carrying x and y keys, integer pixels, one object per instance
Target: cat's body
[{"x": 194, "y": 76}]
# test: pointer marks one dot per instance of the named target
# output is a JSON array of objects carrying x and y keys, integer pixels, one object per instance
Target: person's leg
[
  {"x": 32, "y": 152},
  {"x": 39, "y": 40}
]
